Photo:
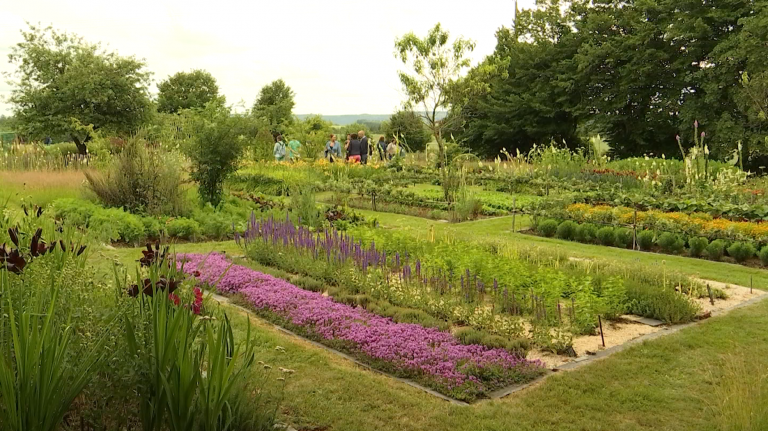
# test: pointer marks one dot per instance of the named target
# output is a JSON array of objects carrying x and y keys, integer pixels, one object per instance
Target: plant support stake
[
  {"x": 600, "y": 322},
  {"x": 711, "y": 297}
]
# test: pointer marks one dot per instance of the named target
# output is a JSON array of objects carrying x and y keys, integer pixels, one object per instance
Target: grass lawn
[
  {"x": 500, "y": 229},
  {"x": 677, "y": 382},
  {"x": 38, "y": 187}
]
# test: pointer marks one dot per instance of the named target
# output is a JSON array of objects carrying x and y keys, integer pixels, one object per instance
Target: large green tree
[
  {"x": 408, "y": 127},
  {"x": 187, "y": 90},
  {"x": 63, "y": 85},
  {"x": 275, "y": 106},
  {"x": 435, "y": 68}
]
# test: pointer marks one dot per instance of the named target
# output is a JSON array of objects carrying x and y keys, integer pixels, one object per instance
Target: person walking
[
  {"x": 391, "y": 149},
  {"x": 346, "y": 147},
  {"x": 382, "y": 147},
  {"x": 293, "y": 149},
  {"x": 279, "y": 150},
  {"x": 354, "y": 149},
  {"x": 332, "y": 149},
  {"x": 364, "y": 147}
]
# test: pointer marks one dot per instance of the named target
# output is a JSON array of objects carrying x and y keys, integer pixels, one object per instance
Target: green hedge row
[{"x": 647, "y": 239}]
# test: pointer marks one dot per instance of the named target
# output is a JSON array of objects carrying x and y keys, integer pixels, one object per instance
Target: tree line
[{"x": 637, "y": 72}]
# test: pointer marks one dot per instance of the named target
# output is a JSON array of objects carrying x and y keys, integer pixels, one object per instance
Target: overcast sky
[{"x": 337, "y": 55}]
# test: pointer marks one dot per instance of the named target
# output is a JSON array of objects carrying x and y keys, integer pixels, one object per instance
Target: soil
[
  {"x": 615, "y": 332},
  {"x": 736, "y": 295}
]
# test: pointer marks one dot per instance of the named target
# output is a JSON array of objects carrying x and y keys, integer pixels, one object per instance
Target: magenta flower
[{"x": 409, "y": 349}]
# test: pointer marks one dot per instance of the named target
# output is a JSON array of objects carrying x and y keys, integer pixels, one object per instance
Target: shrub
[
  {"x": 469, "y": 336},
  {"x": 303, "y": 205},
  {"x": 606, "y": 235},
  {"x": 183, "y": 228},
  {"x": 213, "y": 224},
  {"x": 141, "y": 179},
  {"x": 467, "y": 207},
  {"x": 741, "y": 251},
  {"x": 645, "y": 240},
  {"x": 567, "y": 230},
  {"x": 660, "y": 303},
  {"x": 623, "y": 238},
  {"x": 697, "y": 246},
  {"x": 716, "y": 249},
  {"x": 152, "y": 227},
  {"x": 671, "y": 243},
  {"x": 586, "y": 232},
  {"x": 547, "y": 228},
  {"x": 217, "y": 142},
  {"x": 113, "y": 224},
  {"x": 76, "y": 212}
]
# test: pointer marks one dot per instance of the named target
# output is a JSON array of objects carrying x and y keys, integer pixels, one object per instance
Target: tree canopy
[
  {"x": 408, "y": 127},
  {"x": 187, "y": 90},
  {"x": 275, "y": 106},
  {"x": 435, "y": 67},
  {"x": 63, "y": 85},
  {"x": 637, "y": 72}
]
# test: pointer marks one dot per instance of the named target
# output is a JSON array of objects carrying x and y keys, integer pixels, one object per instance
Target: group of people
[
  {"x": 358, "y": 149},
  {"x": 283, "y": 152}
]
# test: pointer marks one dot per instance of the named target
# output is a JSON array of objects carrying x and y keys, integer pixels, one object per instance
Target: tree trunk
[
  {"x": 81, "y": 147},
  {"x": 440, "y": 149}
]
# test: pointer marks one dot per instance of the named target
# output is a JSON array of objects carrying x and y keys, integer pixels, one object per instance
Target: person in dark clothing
[
  {"x": 364, "y": 147},
  {"x": 354, "y": 150},
  {"x": 382, "y": 147}
]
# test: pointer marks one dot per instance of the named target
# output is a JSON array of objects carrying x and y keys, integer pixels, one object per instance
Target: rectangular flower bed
[{"x": 429, "y": 356}]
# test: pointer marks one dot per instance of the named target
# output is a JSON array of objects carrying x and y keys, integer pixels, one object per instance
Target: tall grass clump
[
  {"x": 741, "y": 394},
  {"x": 142, "y": 179},
  {"x": 663, "y": 304}
]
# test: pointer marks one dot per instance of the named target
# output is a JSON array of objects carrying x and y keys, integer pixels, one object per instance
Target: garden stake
[
  {"x": 634, "y": 232},
  {"x": 559, "y": 313},
  {"x": 514, "y": 211},
  {"x": 600, "y": 322},
  {"x": 711, "y": 298}
]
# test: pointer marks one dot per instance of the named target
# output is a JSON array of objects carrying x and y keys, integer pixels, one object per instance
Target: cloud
[{"x": 337, "y": 55}]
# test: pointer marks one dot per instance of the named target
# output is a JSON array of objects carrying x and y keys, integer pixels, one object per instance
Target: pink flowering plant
[{"x": 432, "y": 357}]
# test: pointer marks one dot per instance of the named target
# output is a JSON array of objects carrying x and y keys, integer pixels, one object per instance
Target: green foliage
[
  {"x": 313, "y": 132},
  {"x": 409, "y": 129},
  {"x": 671, "y": 243},
  {"x": 62, "y": 81},
  {"x": 548, "y": 228},
  {"x": 184, "y": 228},
  {"x": 697, "y": 246},
  {"x": 586, "y": 232},
  {"x": 303, "y": 206},
  {"x": 435, "y": 67},
  {"x": 275, "y": 106},
  {"x": 645, "y": 239},
  {"x": 217, "y": 143},
  {"x": 716, "y": 249},
  {"x": 567, "y": 230},
  {"x": 741, "y": 251},
  {"x": 624, "y": 238},
  {"x": 763, "y": 255},
  {"x": 606, "y": 236},
  {"x": 662, "y": 304},
  {"x": 142, "y": 179},
  {"x": 114, "y": 224},
  {"x": 466, "y": 207},
  {"x": 187, "y": 90}
]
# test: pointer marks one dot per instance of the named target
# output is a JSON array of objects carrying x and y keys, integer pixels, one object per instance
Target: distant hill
[{"x": 343, "y": 120}]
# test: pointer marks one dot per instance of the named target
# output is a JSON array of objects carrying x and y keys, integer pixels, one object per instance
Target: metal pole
[{"x": 600, "y": 322}]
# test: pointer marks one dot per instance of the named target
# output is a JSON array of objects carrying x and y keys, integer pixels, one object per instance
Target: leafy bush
[
  {"x": 763, "y": 255},
  {"x": 303, "y": 205},
  {"x": 467, "y": 207},
  {"x": 586, "y": 233},
  {"x": 217, "y": 143},
  {"x": 606, "y": 235},
  {"x": 645, "y": 240},
  {"x": 114, "y": 224},
  {"x": 567, "y": 230},
  {"x": 741, "y": 251},
  {"x": 141, "y": 179},
  {"x": 660, "y": 303},
  {"x": 152, "y": 227},
  {"x": 213, "y": 224},
  {"x": 697, "y": 245},
  {"x": 716, "y": 249},
  {"x": 623, "y": 238},
  {"x": 76, "y": 212},
  {"x": 183, "y": 228},
  {"x": 547, "y": 228},
  {"x": 671, "y": 243}
]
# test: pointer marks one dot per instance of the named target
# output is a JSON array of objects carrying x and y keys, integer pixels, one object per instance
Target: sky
[{"x": 337, "y": 55}]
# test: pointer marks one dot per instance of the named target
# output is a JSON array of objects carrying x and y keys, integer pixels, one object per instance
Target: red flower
[
  {"x": 175, "y": 299},
  {"x": 196, "y": 273}
]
